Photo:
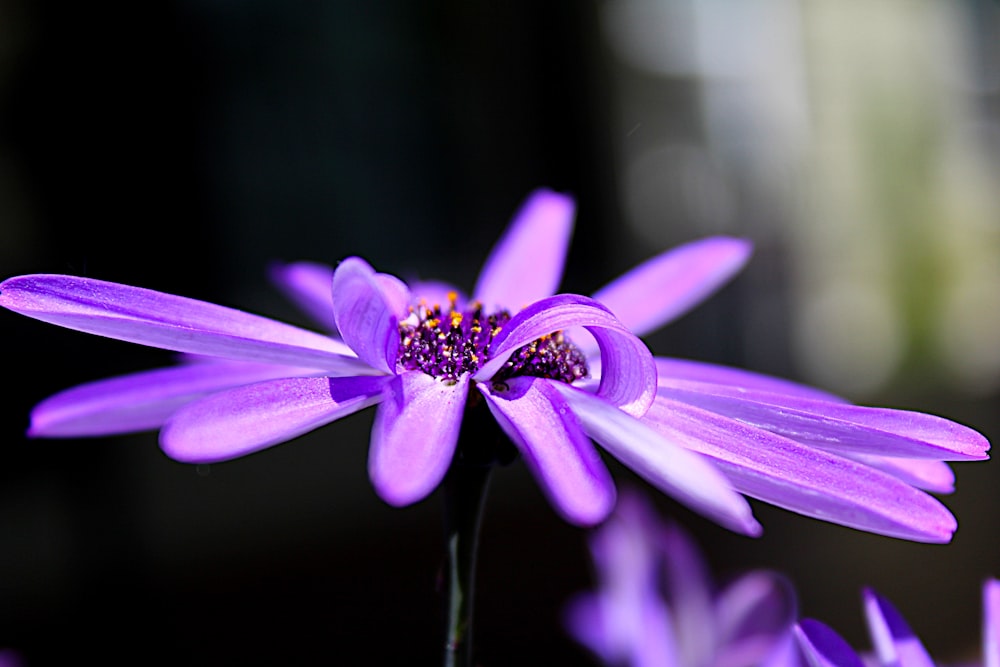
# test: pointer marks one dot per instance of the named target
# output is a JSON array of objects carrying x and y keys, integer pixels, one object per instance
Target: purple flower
[
  {"x": 894, "y": 644},
  {"x": 10, "y": 658},
  {"x": 556, "y": 372},
  {"x": 656, "y": 605}
]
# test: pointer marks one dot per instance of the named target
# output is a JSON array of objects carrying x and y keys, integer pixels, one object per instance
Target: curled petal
[
  {"x": 822, "y": 647},
  {"x": 171, "y": 322},
  {"x": 395, "y": 293},
  {"x": 837, "y": 427},
  {"x": 893, "y": 640},
  {"x": 668, "y": 285},
  {"x": 685, "y": 475},
  {"x": 365, "y": 307},
  {"x": 527, "y": 262},
  {"x": 628, "y": 378},
  {"x": 669, "y": 370},
  {"x": 414, "y": 435},
  {"x": 546, "y": 432},
  {"x": 142, "y": 401},
  {"x": 804, "y": 479},
  {"x": 309, "y": 285},
  {"x": 240, "y": 421}
]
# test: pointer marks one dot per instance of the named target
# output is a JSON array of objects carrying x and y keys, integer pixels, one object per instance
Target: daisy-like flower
[
  {"x": 894, "y": 644},
  {"x": 556, "y": 373},
  {"x": 657, "y": 606}
]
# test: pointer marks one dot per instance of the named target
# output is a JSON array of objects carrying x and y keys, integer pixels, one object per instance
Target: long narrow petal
[
  {"x": 837, "y": 427},
  {"x": 893, "y": 640},
  {"x": 804, "y": 479},
  {"x": 628, "y": 378},
  {"x": 926, "y": 474},
  {"x": 527, "y": 262},
  {"x": 822, "y": 647},
  {"x": 668, "y": 285},
  {"x": 991, "y": 623},
  {"x": 366, "y": 313},
  {"x": 414, "y": 436},
  {"x": 240, "y": 421},
  {"x": 554, "y": 447},
  {"x": 142, "y": 401},
  {"x": 310, "y": 286},
  {"x": 683, "y": 474},
  {"x": 670, "y": 369},
  {"x": 171, "y": 322}
]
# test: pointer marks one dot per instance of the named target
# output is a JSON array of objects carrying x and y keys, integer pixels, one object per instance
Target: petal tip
[{"x": 400, "y": 494}]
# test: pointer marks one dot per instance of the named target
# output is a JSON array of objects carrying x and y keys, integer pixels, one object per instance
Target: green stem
[{"x": 464, "y": 495}]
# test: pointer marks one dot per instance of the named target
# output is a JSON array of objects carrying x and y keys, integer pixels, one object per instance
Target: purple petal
[
  {"x": 584, "y": 620},
  {"x": 638, "y": 635},
  {"x": 556, "y": 450},
  {"x": 635, "y": 625},
  {"x": 837, "y": 427},
  {"x": 310, "y": 286},
  {"x": 785, "y": 653},
  {"x": 934, "y": 476},
  {"x": 669, "y": 370},
  {"x": 628, "y": 378},
  {"x": 893, "y": 640},
  {"x": 365, "y": 307},
  {"x": 689, "y": 596},
  {"x": 670, "y": 284},
  {"x": 414, "y": 436},
  {"x": 142, "y": 401},
  {"x": 685, "y": 475},
  {"x": 823, "y": 647},
  {"x": 172, "y": 322},
  {"x": 754, "y": 613},
  {"x": 526, "y": 264},
  {"x": 240, "y": 421},
  {"x": 804, "y": 479},
  {"x": 991, "y": 623},
  {"x": 395, "y": 293},
  {"x": 625, "y": 556}
]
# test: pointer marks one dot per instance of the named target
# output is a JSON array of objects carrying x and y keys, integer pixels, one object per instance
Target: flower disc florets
[{"x": 449, "y": 343}]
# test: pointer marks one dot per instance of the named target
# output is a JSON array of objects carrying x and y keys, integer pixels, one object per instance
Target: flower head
[
  {"x": 555, "y": 371},
  {"x": 656, "y": 605},
  {"x": 894, "y": 644}
]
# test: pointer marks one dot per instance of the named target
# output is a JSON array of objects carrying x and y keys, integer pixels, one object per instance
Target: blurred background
[{"x": 183, "y": 145}]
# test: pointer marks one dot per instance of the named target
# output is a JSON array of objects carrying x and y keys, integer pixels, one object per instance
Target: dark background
[{"x": 181, "y": 146}]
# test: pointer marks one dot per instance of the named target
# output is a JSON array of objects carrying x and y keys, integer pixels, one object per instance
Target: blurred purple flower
[
  {"x": 656, "y": 605},
  {"x": 11, "y": 658},
  {"x": 894, "y": 644},
  {"x": 702, "y": 433}
]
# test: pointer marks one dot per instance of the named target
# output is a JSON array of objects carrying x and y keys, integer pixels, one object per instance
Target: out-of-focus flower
[
  {"x": 894, "y": 644},
  {"x": 656, "y": 605},
  {"x": 554, "y": 371},
  {"x": 11, "y": 658}
]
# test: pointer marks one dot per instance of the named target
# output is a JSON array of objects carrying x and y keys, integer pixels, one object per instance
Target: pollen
[{"x": 449, "y": 343}]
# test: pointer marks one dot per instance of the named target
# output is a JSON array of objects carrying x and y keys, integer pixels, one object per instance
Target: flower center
[{"x": 448, "y": 344}]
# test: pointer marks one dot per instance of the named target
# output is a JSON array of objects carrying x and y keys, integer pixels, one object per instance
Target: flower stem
[{"x": 464, "y": 494}]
